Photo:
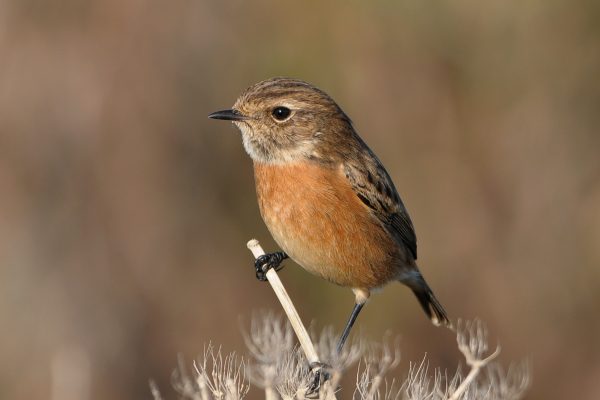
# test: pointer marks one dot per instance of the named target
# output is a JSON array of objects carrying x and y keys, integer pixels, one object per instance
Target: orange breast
[{"x": 317, "y": 219}]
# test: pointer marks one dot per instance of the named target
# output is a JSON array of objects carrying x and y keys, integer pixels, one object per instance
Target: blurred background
[{"x": 124, "y": 211}]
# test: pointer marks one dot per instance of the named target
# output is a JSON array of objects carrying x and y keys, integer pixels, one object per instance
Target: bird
[{"x": 324, "y": 196}]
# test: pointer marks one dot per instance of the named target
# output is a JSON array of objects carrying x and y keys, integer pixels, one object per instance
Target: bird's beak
[{"x": 228, "y": 115}]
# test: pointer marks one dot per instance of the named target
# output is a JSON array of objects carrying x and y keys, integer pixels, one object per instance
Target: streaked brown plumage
[{"x": 325, "y": 197}]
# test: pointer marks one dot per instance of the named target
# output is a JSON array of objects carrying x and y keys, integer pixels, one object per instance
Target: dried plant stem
[
  {"x": 387, "y": 362},
  {"x": 154, "y": 390},
  {"x": 288, "y": 306},
  {"x": 476, "y": 365},
  {"x": 280, "y": 368},
  {"x": 271, "y": 394}
]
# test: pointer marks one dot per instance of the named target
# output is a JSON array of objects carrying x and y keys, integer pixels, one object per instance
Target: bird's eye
[{"x": 281, "y": 113}]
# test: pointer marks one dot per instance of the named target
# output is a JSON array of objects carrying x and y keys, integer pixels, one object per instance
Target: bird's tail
[
  {"x": 432, "y": 307},
  {"x": 427, "y": 299}
]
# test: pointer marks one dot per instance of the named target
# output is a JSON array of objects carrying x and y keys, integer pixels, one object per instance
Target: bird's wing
[{"x": 374, "y": 187}]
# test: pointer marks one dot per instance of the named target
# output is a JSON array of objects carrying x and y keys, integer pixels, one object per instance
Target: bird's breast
[{"x": 317, "y": 219}]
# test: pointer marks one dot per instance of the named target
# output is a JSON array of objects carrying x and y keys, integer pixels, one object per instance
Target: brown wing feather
[{"x": 373, "y": 185}]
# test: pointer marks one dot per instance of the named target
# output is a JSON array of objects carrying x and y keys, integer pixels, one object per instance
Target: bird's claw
[
  {"x": 267, "y": 261},
  {"x": 320, "y": 374}
]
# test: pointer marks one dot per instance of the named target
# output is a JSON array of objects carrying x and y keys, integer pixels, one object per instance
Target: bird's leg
[
  {"x": 268, "y": 261},
  {"x": 355, "y": 311}
]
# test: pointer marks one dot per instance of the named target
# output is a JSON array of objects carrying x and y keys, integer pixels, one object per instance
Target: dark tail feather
[{"x": 431, "y": 305}]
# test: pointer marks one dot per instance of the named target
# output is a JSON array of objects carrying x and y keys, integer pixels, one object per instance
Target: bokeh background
[{"x": 124, "y": 211}]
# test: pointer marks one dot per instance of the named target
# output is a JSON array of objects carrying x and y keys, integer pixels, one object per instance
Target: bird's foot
[
  {"x": 267, "y": 261},
  {"x": 319, "y": 375}
]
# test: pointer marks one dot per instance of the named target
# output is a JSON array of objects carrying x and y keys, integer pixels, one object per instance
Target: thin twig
[
  {"x": 472, "y": 344},
  {"x": 476, "y": 366},
  {"x": 155, "y": 391},
  {"x": 288, "y": 306}
]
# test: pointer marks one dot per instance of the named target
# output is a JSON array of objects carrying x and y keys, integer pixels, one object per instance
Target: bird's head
[{"x": 286, "y": 120}]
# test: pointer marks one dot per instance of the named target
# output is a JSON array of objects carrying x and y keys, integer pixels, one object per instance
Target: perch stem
[{"x": 303, "y": 337}]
